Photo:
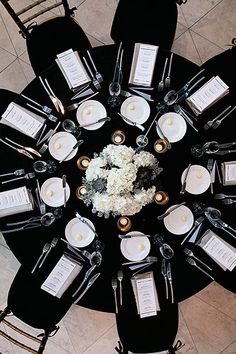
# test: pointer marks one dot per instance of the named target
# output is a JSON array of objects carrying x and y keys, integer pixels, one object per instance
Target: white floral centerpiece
[{"x": 120, "y": 181}]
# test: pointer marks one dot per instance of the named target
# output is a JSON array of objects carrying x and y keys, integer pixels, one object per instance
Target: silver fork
[
  {"x": 167, "y": 79},
  {"x": 209, "y": 123},
  {"x": 44, "y": 251},
  {"x": 218, "y": 122},
  {"x": 19, "y": 172},
  {"x": 114, "y": 287},
  {"x": 95, "y": 81},
  {"x": 161, "y": 84},
  {"x": 97, "y": 73},
  {"x": 44, "y": 108},
  {"x": 191, "y": 254},
  {"x": 76, "y": 105},
  {"x": 51, "y": 245},
  {"x": 120, "y": 278},
  {"x": 193, "y": 263},
  {"x": 27, "y": 176}
]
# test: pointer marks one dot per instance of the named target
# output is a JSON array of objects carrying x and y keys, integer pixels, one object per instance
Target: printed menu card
[
  {"x": 143, "y": 64},
  {"x": 228, "y": 170},
  {"x": 219, "y": 250},
  {"x": 207, "y": 95},
  {"x": 145, "y": 294},
  {"x": 62, "y": 275},
  {"x": 23, "y": 120},
  {"x": 72, "y": 68},
  {"x": 14, "y": 201}
]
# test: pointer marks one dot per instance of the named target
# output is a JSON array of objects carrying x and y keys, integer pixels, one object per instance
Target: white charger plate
[
  {"x": 179, "y": 221},
  {"x": 136, "y": 109},
  {"x": 52, "y": 192},
  {"x": 173, "y": 126},
  {"x": 90, "y": 111},
  {"x": 198, "y": 179},
  {"x": 78, "y": 234},
  {"x": 61, "y": 144},
  {"x": 135, "y": 248}
]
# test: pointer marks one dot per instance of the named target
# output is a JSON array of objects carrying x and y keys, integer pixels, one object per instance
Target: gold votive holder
[
  {"x": 118, "y": 137},
  {"x": 161, "y": 197},
  {"x": 160, "y": 146},
  {"x": 124, "y": 223},
  {"x": 80, "y": 191},
  {"x": 83, "y": 162}
]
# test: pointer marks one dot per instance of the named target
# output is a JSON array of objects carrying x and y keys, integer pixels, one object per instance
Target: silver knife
[
  {"x": 161, "y": 217},
  {"x": 90, "y": 283},
  {"x": 164, "y": 273},
  {"x": 169, "y": 277},
  {"x": 183, "y": 187},
  {"x": 133, "y": 235},
  {"x": 87, "y": 274},
  {"x": 97, "y": 121},
  {"x": 64, "y": 189},
  {"x": 85, "y": 222},
  {"x": 79, "y": 142}
]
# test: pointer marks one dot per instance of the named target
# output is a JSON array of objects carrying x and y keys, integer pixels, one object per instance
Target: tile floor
[{"x": 208, "y": 319}]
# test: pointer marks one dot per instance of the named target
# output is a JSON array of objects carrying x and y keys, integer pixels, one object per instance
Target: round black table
[{"x": 27, "y": 245}]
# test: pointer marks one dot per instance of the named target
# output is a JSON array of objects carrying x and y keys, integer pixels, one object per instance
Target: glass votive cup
[
  {"x": 124, "y": 223},
  {"x": 118, "y": 137},
  {"x": 80, "y": 191},
  {"x": 161, "y": 197},
  {"x": 83, "y": 162},
  {"x": 160, "y": 146}
]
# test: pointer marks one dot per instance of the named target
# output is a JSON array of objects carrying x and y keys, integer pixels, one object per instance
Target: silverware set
[
  {"x": 94, "y": 78},
  {"x": 215, "y": 220},
  {"x": 43, "y": 109},
  {"x": 19, "y": 172},
  {"x": 192, "y": 262},
  {"x": 210, "y": 123},
  {"x": 161, "y": 83},
  {"x": 183, "y": 187},
  {"x": 186, "y": 117},
  {"x": 29, "y": 175},
  {"x": 90, "y": 283},
  {"x": 76, "y": 105},
  {"x": 20, "y": 150},
  {"x": 27, "y": 148},
  {"x": 27, "y": 226},
  {"x": 194, "y": 232},
  {"x": 55, "y": 100},
  {"x": 97, "y": 73}
]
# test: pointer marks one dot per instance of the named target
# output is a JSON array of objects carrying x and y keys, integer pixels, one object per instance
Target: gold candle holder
[
  {"x": 80, "y": 191},
  {"x": 124, "y": 223},
  {"x": 118, "y": 137},
  {"x": 160, "y": 146},
  {"x": 83, "y": 162},
  {"x": 161, "y": 197}
]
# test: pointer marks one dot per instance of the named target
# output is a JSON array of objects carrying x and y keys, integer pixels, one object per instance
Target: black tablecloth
[{"x": 27, "y": 245}]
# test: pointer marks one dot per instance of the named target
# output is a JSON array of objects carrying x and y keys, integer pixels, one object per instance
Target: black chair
[
  {"x": 35, "y": 307},
  {"x": 50, "y": 37},
  {"x": 150, "y": 21},
  {"x": 222, "y": 64},
  {"x": 146, "y": 335}
]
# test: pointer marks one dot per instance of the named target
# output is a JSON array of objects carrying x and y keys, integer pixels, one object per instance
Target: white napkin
[
  {"x": 212, "y": 91},
  {"x": 219, "y": 250},
  {"x": 23, "y": 120},
  {"x": 143, "y": 64},
  {"x": 145, "y": 294},
  {"x": 14, "y": 201},
  {"x": 72, "y": 68},
  {"x": 62, "y": 275}
]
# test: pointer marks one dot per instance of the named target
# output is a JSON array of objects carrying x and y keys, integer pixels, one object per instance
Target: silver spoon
[
  {"x": 19, "y": 172},
  {"x": 27, "y": 176}
]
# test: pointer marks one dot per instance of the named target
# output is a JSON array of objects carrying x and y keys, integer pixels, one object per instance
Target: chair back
[
  {"x": 35, "y": 10},
  {"x": 35, "y": 307}
]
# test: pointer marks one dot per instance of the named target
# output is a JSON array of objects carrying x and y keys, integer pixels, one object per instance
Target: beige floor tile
[
  {"x": 6, "y": 59},
  {"x": 185, "y": 47},
  {"x": 193, "y": 10},
  {"x": 219, "y": 25},
  {"x": 180, "y": 29},
  {"x": 13, "y": 77},
  {"x": 206, "y": 49},
  {"x": 5, "y": 41},
  {"x": 86, "y": 326},
  {"x": 105, "y": 344},
  {"x": 220, "y": 298},
  {"x": 9, "y": 266},
  {"x": 211, "y": 330},
  {"x": 231, "y": 349},
  {"x": 95, "y": 17}
]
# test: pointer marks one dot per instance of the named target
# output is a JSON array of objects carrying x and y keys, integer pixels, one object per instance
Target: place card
[
  {"x": 212, "y": 91},
  {"x": 62, "y": 275},
  {"x": 14, "y": 201},
  {"x": 23, "y": 120},
  {"x": 228, "y": 170},
  {"x": 145, "y": 294},
  {"x": 143, "y": 64},
  {"x": 219, "y": 250},
  {"x": 73, "y": 69}
]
